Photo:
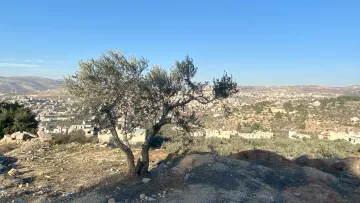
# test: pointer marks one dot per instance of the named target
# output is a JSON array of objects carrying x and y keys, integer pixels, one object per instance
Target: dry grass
[{"x": 288, "y": 148}]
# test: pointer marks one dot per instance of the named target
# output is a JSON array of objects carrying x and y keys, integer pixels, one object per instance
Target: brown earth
[
  {"x": 45, "y": 171},
  {"x": 93, "y": 173}
]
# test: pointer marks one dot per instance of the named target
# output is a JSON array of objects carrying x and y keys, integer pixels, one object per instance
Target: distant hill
[{"x": 27, "y": 84}]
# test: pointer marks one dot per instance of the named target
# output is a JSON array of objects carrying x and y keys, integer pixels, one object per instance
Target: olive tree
[
  {"x": 107, "y": 88},
  {"x": 114, "y": 88},
  {"x": 167, "y": 94}
]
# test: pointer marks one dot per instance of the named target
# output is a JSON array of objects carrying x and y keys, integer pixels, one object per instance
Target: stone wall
[
  {"x": 295, "y": 135},
  {"x": 137, "y": 137},
  {"x": 207, "y": 133},
  {"x": 257, "y": 135}
]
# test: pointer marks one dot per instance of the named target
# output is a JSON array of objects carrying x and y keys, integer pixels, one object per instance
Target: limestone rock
[
  {"x": 13, "y": 136},
  {"x": 112, "y": 200},
  {"x": 19, "y": 136},
  {"x": 44, "y": 137},
  {"x": 142, "y": 196},
  {"x": 31, "y": 135},
  {"x": 12, "y": 172},
  {"x": 7, "y": 138},
  {"x": 146, "y": 180}
]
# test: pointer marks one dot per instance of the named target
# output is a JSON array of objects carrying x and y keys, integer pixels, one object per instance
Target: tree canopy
[
  {"x": 14, "y": 118},
  {"x": 123, "y": 94},
  {"x": 288, "y": 107}
]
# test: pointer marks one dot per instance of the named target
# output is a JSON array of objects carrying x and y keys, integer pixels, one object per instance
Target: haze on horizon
[{"x": 258, "y": 42}]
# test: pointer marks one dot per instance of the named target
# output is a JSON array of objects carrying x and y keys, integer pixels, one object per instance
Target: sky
[{"x": 259, "y": 42}]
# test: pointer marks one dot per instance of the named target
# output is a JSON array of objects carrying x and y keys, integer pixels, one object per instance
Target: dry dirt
[
  {"x": 46, "y": 172},
  {"x": 93, "y": 173}
]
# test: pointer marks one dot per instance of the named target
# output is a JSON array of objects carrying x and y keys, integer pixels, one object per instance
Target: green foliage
[
  {"x": 256, "y": 126},
  {"x": 301, "y": 125},
  {"x": 340, "y": 100},
  {"x": 14, "y": 118},
  {"x": 102, "y": 84},
  {"x": 248, "y": 128},
  {"x": 278, "y": 115},
  {"x": 114, "y": 88},
  {"x": 258, "y": 108},
  {"x": 224, "y": 87},
  {"x": 74, "y": 136},
  {"x": 288, "y": 107},
  {"x": 284, "y": 146},
  {"x": 60, "y": 138}
]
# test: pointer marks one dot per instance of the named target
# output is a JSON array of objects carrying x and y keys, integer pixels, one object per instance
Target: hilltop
[
  {"x": 27, "y": 84},
  {"x": 94, "y": 173}
]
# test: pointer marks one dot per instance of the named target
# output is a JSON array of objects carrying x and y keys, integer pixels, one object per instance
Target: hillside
[
  {"x": 27, "y": 84},
  {"x": 35, "y": 172}
]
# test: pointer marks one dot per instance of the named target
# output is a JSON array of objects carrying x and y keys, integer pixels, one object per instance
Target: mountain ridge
[{"x": 26, "y": 84}]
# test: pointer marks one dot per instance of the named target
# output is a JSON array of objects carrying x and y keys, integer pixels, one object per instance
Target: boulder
[
  {"x": 105, "y": 138},
  {"x": 7, "y": 138},
  {"x": 19, "y": 136},
  {"x": 13, "y": 136},
  {"x": 112, "y": 200},
  {"x": 146, "y": 180},
  {"x": 31, "y": 135},
  {"x": 44, "y": 137}
]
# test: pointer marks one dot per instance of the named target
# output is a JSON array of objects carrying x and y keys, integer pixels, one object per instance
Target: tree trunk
[
  {"x": 126, "y": 149},
  {"x": 142, "y": 166}
]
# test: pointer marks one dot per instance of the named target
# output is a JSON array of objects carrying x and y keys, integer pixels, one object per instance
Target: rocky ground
[
  {"x": 34, "y": 171},
  {"x": 94, "y": 173}
]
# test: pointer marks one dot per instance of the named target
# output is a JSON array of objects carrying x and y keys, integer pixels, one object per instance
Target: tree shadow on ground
[
  {"x": 293, "y": 173},
  {"x": 7, "y": 162},
  {"x": 279, "y": 173},
  {"x": 121, "y": 185}
]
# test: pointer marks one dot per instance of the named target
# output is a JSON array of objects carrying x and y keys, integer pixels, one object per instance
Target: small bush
[
  {"x": 60, "y": 138},
  {"x": 75, "y": 136},
  {"x": 280, "y": 144}
]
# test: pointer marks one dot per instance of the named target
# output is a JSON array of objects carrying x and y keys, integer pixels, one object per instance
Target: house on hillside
[
  {"x": 316, "y": 103},
  {"x": 89, "y": 130},
  {"x": 354, "y": 119},
  {"x": 351, "y": 136}
]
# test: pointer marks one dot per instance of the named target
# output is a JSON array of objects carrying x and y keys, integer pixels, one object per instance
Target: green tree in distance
[
  {"x": 288, "y": 107},
  {"x": 14, "y": 118}
]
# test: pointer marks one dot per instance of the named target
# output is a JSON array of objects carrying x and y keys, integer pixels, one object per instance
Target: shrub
[
  {"x": 281, "y": 145},
  {"x": 74, "y": 136},
  {"x": 288, "y": 107},
  {"x": 15, "y": 117},
  {"x": 60, "y": 138},
  {"x": 278, "y": 115}
]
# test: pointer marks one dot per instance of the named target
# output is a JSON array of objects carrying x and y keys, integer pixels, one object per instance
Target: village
[{"x": 61, "y": 116}]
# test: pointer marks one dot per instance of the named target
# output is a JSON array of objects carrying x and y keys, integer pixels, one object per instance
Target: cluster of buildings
[
  {"x": 53, "y": 110},
  {"x": 351, "y": 136},
  {"x": 46, "y": 110},
  {"x": 227, "y": 134}
]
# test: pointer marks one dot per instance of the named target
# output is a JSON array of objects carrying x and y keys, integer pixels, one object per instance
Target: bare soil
[
  {"x": 48, "y": 172},
  {"x": 93, "y": 173}
]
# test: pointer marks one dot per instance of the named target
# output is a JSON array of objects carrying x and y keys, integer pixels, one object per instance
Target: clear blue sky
[{"x": 259, "y": 42}]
